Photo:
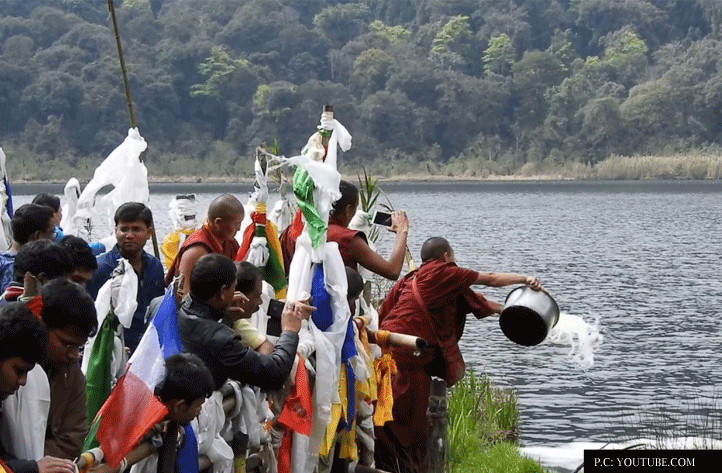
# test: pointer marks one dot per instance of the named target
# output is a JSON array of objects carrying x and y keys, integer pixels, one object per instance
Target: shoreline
[{"x": 402, "y": 178}]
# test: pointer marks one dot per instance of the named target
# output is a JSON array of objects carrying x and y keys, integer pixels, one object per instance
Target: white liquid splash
[{"x": 583, "y": 338}]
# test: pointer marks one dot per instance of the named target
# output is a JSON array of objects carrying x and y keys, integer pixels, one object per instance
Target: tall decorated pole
[
  {"x": 317, "y": 270},
  {"x": 260, "y": 244}
]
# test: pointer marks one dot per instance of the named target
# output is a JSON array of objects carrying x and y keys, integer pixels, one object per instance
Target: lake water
[{"x": 639, "y": 261}]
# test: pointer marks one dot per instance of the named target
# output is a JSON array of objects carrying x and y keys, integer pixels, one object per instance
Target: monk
[
  {"x": 217, "y": 235},
  {"x": 430, "y": 302},
  {"x": 352, "y": 244}
]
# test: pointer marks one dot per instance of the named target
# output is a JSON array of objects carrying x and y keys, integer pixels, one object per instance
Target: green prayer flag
[
  {"x": 98, "y": 377},
  {"x": 303, "y": 187}
]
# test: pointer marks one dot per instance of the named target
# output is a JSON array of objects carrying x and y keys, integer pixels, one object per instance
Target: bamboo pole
[
  {"x": 116, "y": 30},
  {"x": 395, "y": 339},
  {"x": 111, "y": 8}
]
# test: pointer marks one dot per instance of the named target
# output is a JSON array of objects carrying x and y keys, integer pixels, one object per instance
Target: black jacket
[{"x": 220, "y": 348}]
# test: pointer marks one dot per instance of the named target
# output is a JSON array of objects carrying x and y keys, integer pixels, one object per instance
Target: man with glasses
[
  {"x": 133, "y": 228},
  {"x": 30, "y": 222},
  {"x": 68, "y": 313}
]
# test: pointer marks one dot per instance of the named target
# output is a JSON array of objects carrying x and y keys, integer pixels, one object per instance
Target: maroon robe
[
  {"x": 204, "y": 237},
  {"x": 343, "y": 236},
  {"x": 339, "y": 234},
  {"x": 445, "y": 290},
  {"x": 287, "y": 239}
]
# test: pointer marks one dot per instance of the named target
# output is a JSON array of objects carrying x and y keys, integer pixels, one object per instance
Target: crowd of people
[{"x": 49, "y": 283}]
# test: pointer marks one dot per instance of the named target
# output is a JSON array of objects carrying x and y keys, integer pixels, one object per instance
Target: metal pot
[{"x": 528, "y": 316}]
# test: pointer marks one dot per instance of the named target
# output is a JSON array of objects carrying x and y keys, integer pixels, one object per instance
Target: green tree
[
  {"x": 654, "y": 115},
  {"x": 13, "y": 80},
  {"x": 371, "y": 70},
  {"x": 602, "y": 129},
  {"x": 534, "y": 75},
  {"x": 626, "y": 53},
  {"x": 341, "y": 23},
  {"x": 53, "y": 93},
  {"x": 451, "y": 46},
  {"x": 418, "y": 80},
  {"x": 394, "y": 35},
  {"x": 218, "y": 70},
  {"x": 499, "y": 56},
  {"x": 602, "y": 17}
]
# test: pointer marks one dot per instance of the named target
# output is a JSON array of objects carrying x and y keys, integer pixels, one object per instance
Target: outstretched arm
[
  {"x": 374, "y": 262},
  {"x": 506, "y": 279}
]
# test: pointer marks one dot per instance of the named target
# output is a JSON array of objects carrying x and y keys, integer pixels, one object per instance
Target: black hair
[
  {"x": 246, "y": 276},
  {"x": 349, "y": 196},
  {"x": 133, "y": 212},
  {"x": 186, "y": 378},
  {"x": 80, "y": 252},
  {"x": 21, "y": 334},
  {"x": 47, "y": 200},
  {"x": 28, "y": 219},
  {"x": 355, "y": 283},
  {"x": 67, "y": 304},
  {"x": 434, "y": 248},
  {"x": 211, "y": 273},
  {"x": 42, "y": 256}
]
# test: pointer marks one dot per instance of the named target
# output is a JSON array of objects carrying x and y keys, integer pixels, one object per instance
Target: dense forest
[{"x": 493, "y": 84}]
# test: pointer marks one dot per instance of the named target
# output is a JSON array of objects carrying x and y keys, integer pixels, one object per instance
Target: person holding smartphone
[{"x": 353, "y": 244}]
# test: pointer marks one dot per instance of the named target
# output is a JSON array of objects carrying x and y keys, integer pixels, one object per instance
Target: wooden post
[
  {"x": 131, "y": 114},
  {"x": 438, "y": 421}
]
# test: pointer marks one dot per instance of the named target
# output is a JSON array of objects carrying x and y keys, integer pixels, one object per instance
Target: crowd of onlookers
[{"x": 49, "y": 283}]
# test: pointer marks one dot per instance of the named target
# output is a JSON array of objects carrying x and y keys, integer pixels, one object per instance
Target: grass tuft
[{"x": 483, "y": 429}]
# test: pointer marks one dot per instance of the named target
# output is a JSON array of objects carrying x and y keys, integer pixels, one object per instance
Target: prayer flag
[
  {"x": 98, "y": 376},
  {"x": 132, "y": 407}
]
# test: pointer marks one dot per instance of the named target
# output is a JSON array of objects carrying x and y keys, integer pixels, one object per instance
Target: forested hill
[{"x": 417, "y": 82}]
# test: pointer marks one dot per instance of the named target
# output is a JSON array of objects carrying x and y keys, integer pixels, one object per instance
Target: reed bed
[{"x": 658, "y": 167}]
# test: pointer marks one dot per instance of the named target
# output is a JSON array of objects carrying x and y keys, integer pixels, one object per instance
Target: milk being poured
[{"x": 582, "y": 338}]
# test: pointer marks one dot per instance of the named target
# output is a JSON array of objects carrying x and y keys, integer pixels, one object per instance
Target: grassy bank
[
  {"x": 698, "y": 165},
  {"x": 483, "y": 429}
]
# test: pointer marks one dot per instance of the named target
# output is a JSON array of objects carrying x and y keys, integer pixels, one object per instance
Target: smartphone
[
  {"x": 382, "y": 218},
  {"x": 275, "y": 309}
]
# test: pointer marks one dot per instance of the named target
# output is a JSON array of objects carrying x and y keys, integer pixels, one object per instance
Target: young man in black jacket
[{"x": 213, "y": 298}]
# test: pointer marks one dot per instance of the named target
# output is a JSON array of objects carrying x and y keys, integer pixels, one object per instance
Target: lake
[{"x": 638, "y": 260}]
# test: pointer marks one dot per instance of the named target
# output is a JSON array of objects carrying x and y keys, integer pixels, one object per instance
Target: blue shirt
[
  {"x": 7, "y": 263},
  {"x": 150, "y": 285},
  {"x": 95, "y": 246}
]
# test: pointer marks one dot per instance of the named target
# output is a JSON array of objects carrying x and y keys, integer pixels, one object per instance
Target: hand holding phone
[
  {"x": 275, "y": 309},
  {"x": 381, "y": 218}
]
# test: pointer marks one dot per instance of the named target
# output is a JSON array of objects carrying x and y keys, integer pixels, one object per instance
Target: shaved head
[
  {"x": 226, "y": 207},
  {"x": 434, "y": 248}
]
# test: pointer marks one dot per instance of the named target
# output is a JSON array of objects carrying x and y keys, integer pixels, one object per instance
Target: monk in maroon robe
[
  {"x": 431, "y": 302},
  {"x": 352, "y": 244},
  {"x": 217, "y": 235}
]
